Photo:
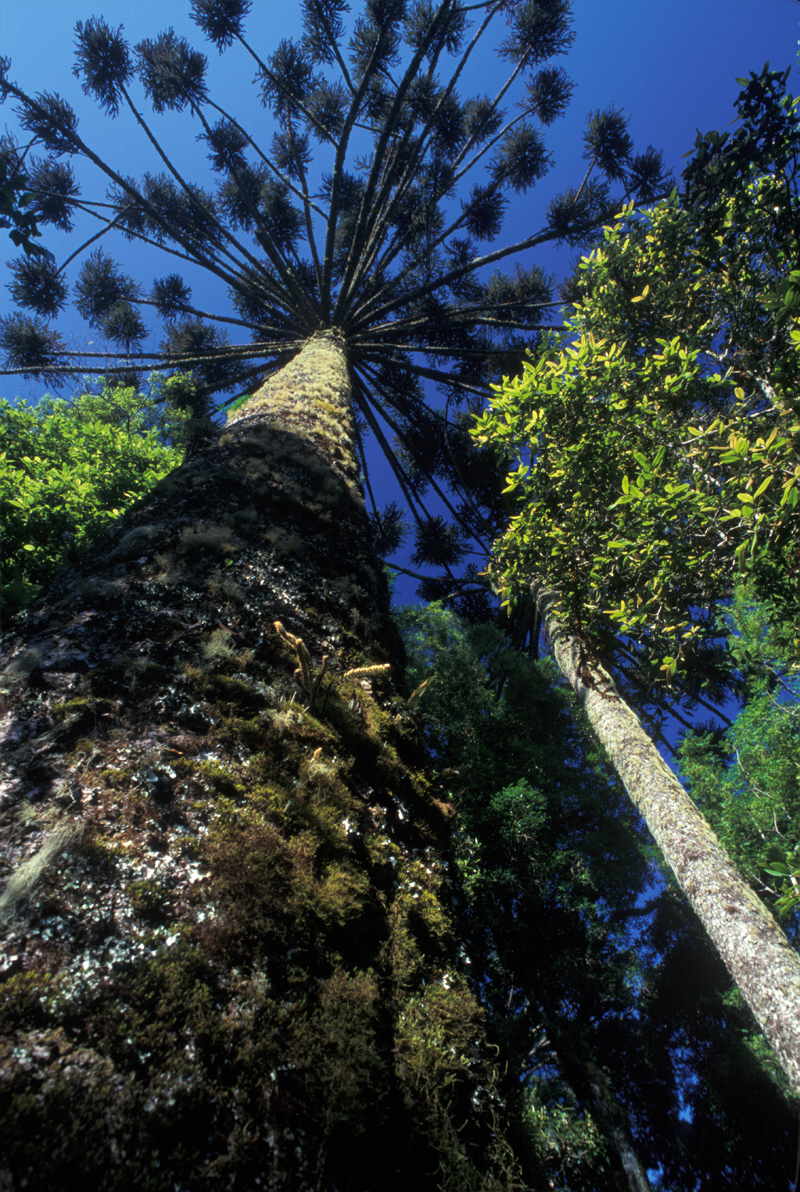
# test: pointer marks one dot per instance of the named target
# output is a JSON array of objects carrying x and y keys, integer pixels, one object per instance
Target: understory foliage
[
  {"x": 594, "y": 971},
  {"x": 374, "y": 205},
  {"x": 543, "y": 869},
  {"x": 68, "y": 468},
  {"x": 746, "y": 781}
]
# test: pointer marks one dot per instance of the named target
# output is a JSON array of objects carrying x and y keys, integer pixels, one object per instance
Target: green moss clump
[
  {"x": 435, "y": 1045},
  {"x": 421, "y": 930},
  {"x": 77, "y": 707},
  {"x": 339, "y": 895},
  {"x": 253, "y": 871},
  {"x": 149, "y": 900},
  {"x": 227, "y": 690},
  {"x": 24, "y": 998},
  {"x": 96, "y": 851},
  {"x": 215, "y": 537},
  {"x": 118, "y": 778},
  {"x": 221, "y": 779},
  {"x": 217, "y": 650},
  {"x": 157, "y": 1004},
  {"x": 250, "y": 731},
  {"x": 143, "y": 674},
  {"x": 337, "y": 1049}
]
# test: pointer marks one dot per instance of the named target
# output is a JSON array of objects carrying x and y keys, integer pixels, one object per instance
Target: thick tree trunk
[
  {"x": 226, "y": 946},
  {"x": 755, "y": 950}
]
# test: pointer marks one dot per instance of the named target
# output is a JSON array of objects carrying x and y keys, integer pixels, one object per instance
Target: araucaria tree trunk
[
  {"x": 226, "y": 943},
  {"x": 755, "y": 950}
]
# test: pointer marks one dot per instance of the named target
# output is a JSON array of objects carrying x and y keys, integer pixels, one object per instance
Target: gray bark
[
  {"x": 756, "y": 952},
  {"x": 610, "y": 1111}
]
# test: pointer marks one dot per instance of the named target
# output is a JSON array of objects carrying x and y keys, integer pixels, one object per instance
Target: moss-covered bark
[{"x": 227, "y": 952}]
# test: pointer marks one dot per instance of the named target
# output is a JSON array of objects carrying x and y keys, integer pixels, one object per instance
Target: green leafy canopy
[
  {"x": 657, "y": 439},
  {"x": 747, "y": 779},
  {"x": 68, "y": 469}
]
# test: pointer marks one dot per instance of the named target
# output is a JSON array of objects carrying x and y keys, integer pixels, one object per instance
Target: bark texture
[
  {"x": 226, "y": 948},
  {"x": 757, "y": 954}
]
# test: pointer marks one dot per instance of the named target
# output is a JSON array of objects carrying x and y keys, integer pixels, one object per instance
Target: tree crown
[{"x": 365, "y": 212}]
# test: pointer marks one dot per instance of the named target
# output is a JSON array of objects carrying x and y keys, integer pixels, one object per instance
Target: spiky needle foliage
[{"x": 379, "y": 240}]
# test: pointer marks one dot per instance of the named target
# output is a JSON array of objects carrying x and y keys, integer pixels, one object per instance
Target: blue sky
[{"x": 670, "y": 65}]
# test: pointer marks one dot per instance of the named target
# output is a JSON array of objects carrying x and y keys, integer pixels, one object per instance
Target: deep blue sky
[{"x": 671, "y": 65}]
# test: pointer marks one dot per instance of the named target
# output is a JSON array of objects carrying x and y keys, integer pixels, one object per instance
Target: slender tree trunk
[
  {"x": 226, "y": 952},
  {"x": 596, "y": 1098},
  {"x": 615, "y": 1119},
  {"x": 755, "y": 950}
]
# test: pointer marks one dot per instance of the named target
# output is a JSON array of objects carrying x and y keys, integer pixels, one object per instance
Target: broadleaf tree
[
  {"x": 646, "y": 481},
  {"x": 205, "y": 714}
]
